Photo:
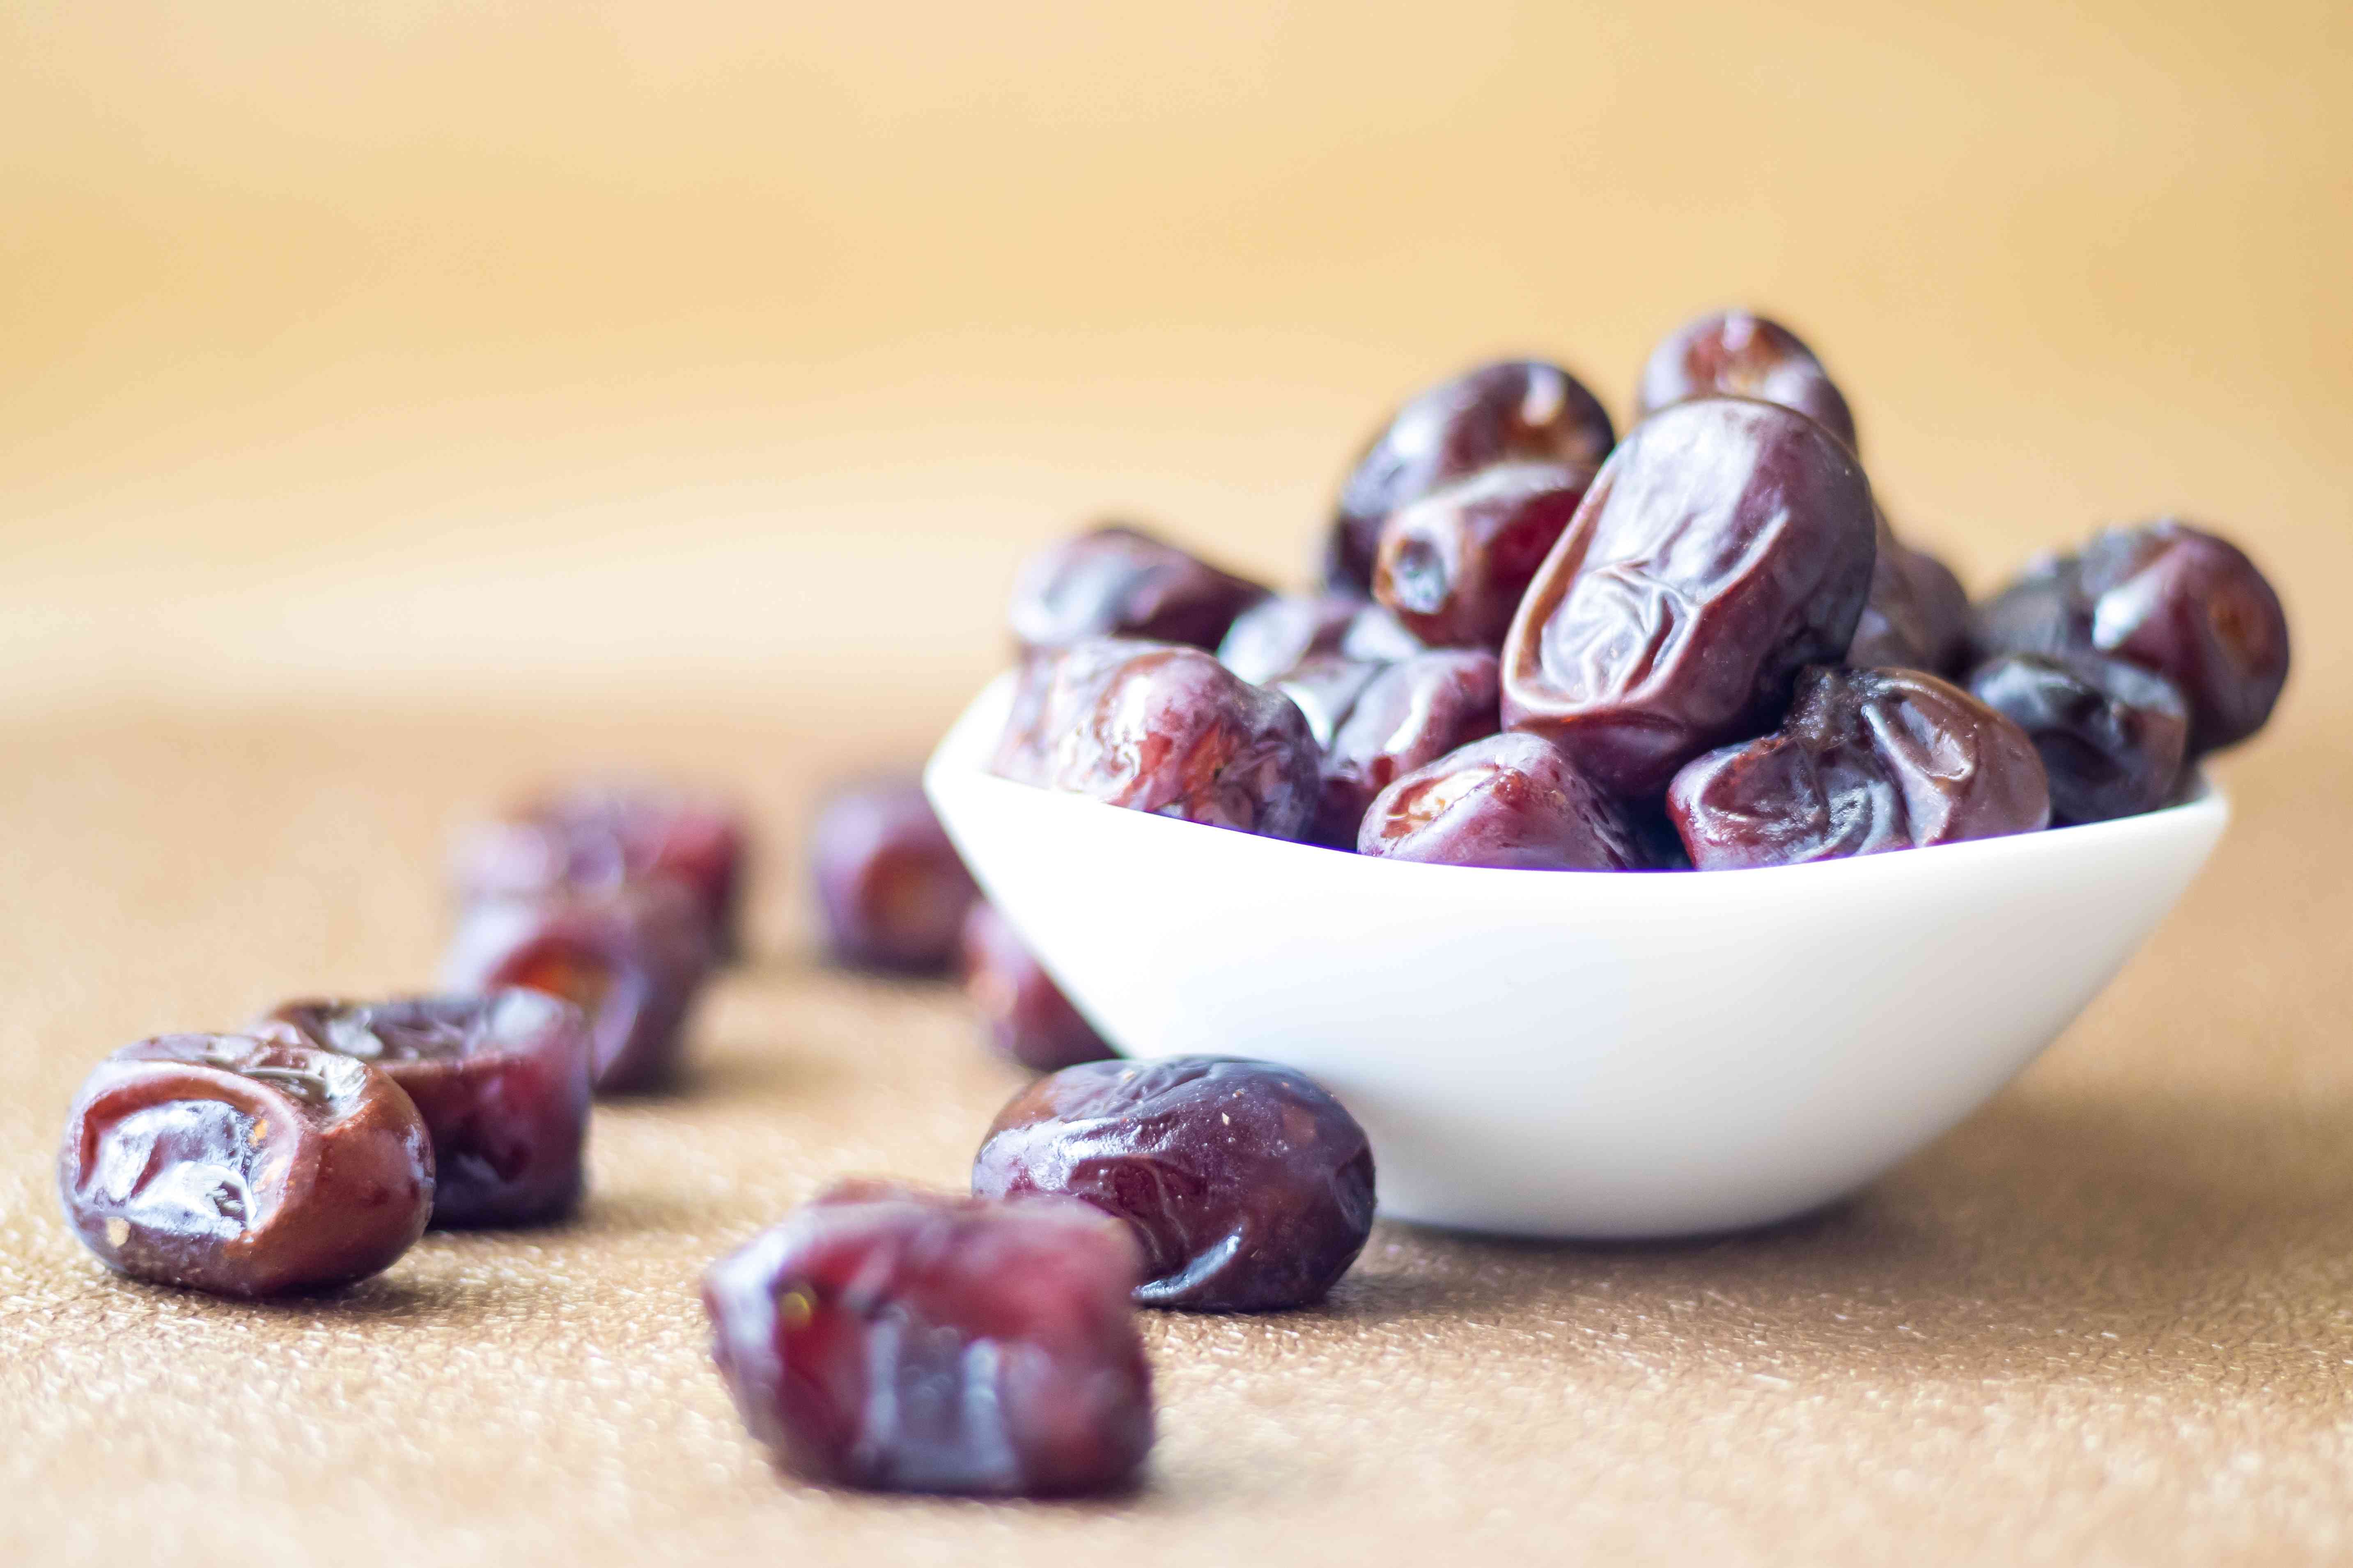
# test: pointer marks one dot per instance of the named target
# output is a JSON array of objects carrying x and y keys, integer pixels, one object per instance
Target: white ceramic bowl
[{"x": 1580, "y": 1054}]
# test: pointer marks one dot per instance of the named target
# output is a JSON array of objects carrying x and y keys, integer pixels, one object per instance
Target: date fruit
[
  {"x": 1453, "y": 565},
  {"x": 2169, "y": 597},
  {"x": 1249, "y": 1185},
  {"x": 1029, "y": 1019},
  {"x": 901, "y": 1341},
  {"x": 501, "y": 1081},
  {"x": 1164, "y": 730},
  {"x": 891, "y": 890},
  {"x": 1868, "y": 760},
  {"x": 1917, "y": 616},
  {"x": 2112, "y": 736},
  {"x": 244, "y": 1167},
  {"x": 1408, "y": 715},
  {"x": 1511, "y": 801},
  {"x": 1732, "y": 354},
  {"x": 1512, "y": 410},
  {"x": 632, "y": 958},
  {"x": 1115, "y": 581},
  {"x": 1726, "y": 544},
  {"x": 1269, "y": 638},
  {"x": 1326, "y": 686}
]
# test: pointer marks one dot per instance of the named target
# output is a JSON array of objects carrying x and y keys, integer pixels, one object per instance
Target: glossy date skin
[
  {"x": 1726, "y": 544},
  {"x": 1734, "y": 353},
  {"x": 1409, "y": 715},
  {"x": 632, "y": 958},
  {"x": 2174, "y": 599},
  {"x": 1511, "y": 410},
  {"x": 1868, "y": 760},
  {"x": 894, "y": 1340},
  {"x": 1453, "y": 565},
  {"x": 891, "y": 890},
  {"x": 1116, "y": 581},
  {"x": 1163, "y": 729},
  {"x": 1917, "y": 614},
  {"x": 1512, "y": 801},
  {"x": 244, "y": 1167},
  {"x": 1249, "y": 1187},
  {"x": 605, "y": 835},
  {"x": 1027, "y": 1017},
  {"x": 2112, "y": 736},
  {"x": 503, "y": 1081},
  {"x": 1326, "y": 687}
]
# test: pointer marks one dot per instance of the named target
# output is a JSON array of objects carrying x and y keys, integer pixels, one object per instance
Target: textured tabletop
[{"x": 2107, "y": 1321}]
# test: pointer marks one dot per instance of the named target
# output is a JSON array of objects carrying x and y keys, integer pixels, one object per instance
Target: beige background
[{"x": 399, "y": 402}]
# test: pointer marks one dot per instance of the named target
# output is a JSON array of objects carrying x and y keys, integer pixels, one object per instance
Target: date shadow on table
[{"x": 2043, "y": 1215}]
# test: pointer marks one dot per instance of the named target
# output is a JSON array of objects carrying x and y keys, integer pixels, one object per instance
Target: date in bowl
[{"x": 1581, "y": 1054}]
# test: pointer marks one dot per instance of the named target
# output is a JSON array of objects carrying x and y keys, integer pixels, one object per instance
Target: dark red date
[
  {"x": 911, "y": 1341},
  {"x": 1269, "y": 638},
  {"x": 1453, "y": 565},
  {"x": 1028, "y": 1018},
  {"x": 1249, "y": 1185},
  {"x": 891, "y": 890},
  {"x": 1725, "y": 544},
  {"x": 501, "y": 1081},
  {"x": 1917, "y": 616},
  {"x": 1115, "y": 581},
  {"x": 1326, "y": 686},
  {"x": 1868, "y": 760},
  {"x": 1733, "y": 353},
  {"x": 1511, "y": 801},
  {"x": 2112, "y": 736},
  {"x": 244, "y": 1167},
  {"x": 1163, "y": 729},
  {"x": 1515, "y": 409},
  {"x": 1409, "y": 715}
]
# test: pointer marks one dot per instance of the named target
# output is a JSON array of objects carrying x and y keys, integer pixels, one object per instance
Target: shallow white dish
[{"x": 1580, "y": 1054}]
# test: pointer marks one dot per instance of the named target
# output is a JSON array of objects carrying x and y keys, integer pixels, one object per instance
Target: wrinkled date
[
  {"x": 1250, "y": 1187},
  {"x": 912, "y": 1342},
  {"x": 632, "y": 958},
  {"x": 1868, "y": 760},
  {"x": 244, "y": 1167},
  {"x": 1733, "y": 353},
  {"x": 1516, "y": 409},
  {"x": 1029, "y": 1019},
  {"x": 1726, "y": 544},
  {"x": 1452, "y": 566},
  {"x": 604, "y": 836},
  {"x": 1121, "y": 581},
  {"x": 2112, "y": 736},
  {"x": 1164, "y": 730},
  {"x": 1408, "y": 715},
  {"x": 2170, "y": 598},
  {"x": 1511, "y": 801},
  {"x": 501, "y": 1081},
  {"x": 891, "y": 890},
  {"x": 1917, "y": 616}
]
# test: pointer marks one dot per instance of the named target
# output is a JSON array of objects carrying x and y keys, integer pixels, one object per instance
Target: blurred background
[{"x": 405, "y": 352}]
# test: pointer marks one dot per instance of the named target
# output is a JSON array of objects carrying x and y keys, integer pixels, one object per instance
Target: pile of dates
[{"x": 1701, "y": 646}]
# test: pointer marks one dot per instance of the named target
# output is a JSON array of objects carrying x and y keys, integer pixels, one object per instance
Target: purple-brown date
[
  {"x": 1916, "y": 616},
  {"x": 2112, "y": 735},
  {"x": 2170, "y": 597},
  {"x": 1028, "y": 1018},
  {"x": 1249, "y": 1187},
  {"x": 1409, "y": 715},
  {"x": 1734, "y": 353},
  {"x": 1272, "y": 637},
  {"x": 1868, "y": 760},
  {"x": 1512, "y": 801},
  {"x": 895, "y": 1340},
  {"x": 1325, "y": 687},
  {"x": 1453, "y": 565},
  {"x": 1163, "y": 729},
  {"x": 502, "y": 1080},
  {"x": 604, "y": 835},
  {"x": 1511, "y": 410},
  {"x": 1116, "y": 581},
  {"x": 632, "y": 958},
  {"x": 244, "y": 1167},
  {"x": 891, "y": 890},
  {"x": 1726, "y": 544}
]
